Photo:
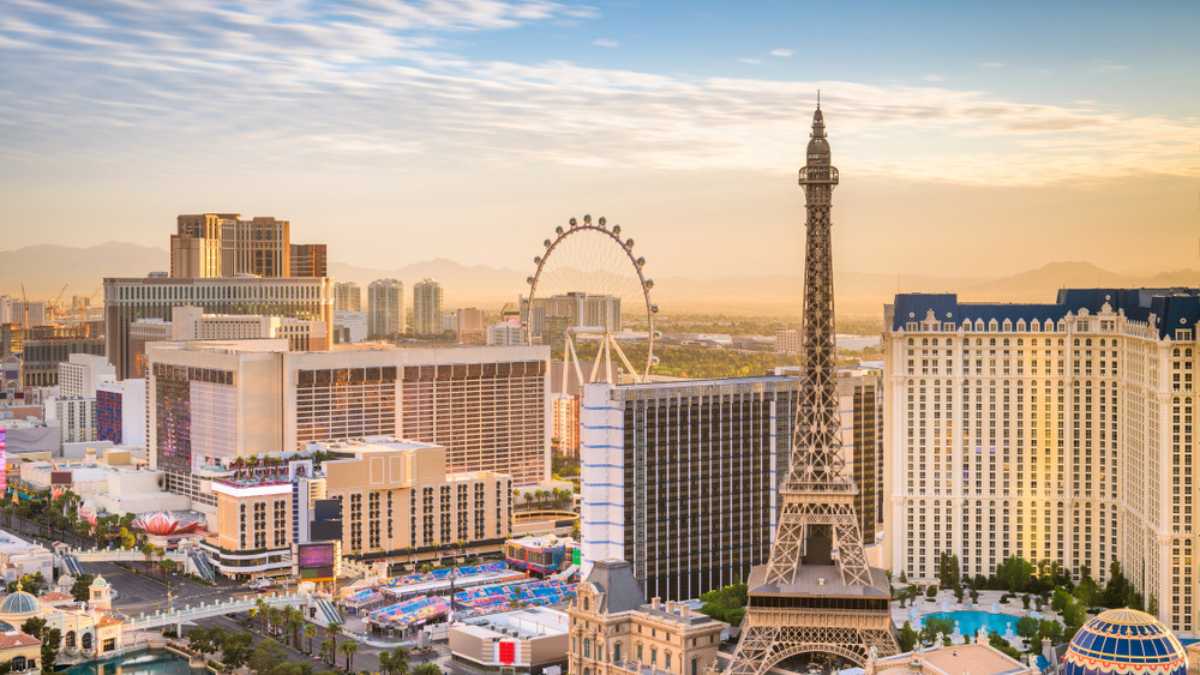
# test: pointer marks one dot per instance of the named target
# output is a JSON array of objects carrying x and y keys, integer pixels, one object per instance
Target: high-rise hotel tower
[{"x": 1062, "y": 431}]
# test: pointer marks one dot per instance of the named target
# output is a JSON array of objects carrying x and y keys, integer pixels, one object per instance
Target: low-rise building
[
  {"x": 525, "y": 641},
  {"x": 19, "y": 557},
  {"x": 978, "y": 658},
  {"x": 20, "y": 652},
  {"x": 613, "y": 631}
]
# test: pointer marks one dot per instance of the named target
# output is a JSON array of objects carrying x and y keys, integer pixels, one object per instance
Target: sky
[{"x": 972, "y": 138}]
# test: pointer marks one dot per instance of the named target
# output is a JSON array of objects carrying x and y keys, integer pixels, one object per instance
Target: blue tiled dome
[
  {"x": 19, "y": 603},
  {"x": 1124, "y": 642}
]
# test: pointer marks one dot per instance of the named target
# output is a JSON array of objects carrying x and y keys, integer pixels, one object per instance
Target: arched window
[
  {"x": 617, "y": 652},
  {"x": 86, "y": 641},
  {"x": 69, "y": 639},
  {"x": 18, "y": 663}
]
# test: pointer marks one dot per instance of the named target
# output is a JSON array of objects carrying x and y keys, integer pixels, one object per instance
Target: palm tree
[
  {"x": 328, "y": 647},
  {"x": 348, "y": 649},
  {"x": 427, "y": 669},
  {"x": 332, "y": 630},
  {"x": 399, "y": 659},
  {"x": 294, "y": 620},
  {"x": 310, "y": 632},
  {"x": 260, "y": 613}
]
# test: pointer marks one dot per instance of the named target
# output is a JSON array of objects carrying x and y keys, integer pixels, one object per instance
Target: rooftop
[
  {"x": 976, "y": 659},
  {"x": 821, "y": 581},
  {"x": 15, "y": 638},
  {"x": 1173, "y": 307},
  {"x": 523, "y": 624},
  {"x": 370, "y": 444}
]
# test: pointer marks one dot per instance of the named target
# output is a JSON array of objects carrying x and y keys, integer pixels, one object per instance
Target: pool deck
[{"x": 989, "y": 601}]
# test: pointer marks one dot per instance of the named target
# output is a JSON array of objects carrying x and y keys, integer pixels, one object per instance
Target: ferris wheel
[{"x": 588, "y": 288}]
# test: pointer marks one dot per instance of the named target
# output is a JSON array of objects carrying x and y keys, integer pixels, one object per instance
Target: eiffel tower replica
[{"x": 816, "y": 595}]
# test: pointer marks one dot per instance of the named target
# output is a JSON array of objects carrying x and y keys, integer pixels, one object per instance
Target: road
[{"x": 137, "y": 593}]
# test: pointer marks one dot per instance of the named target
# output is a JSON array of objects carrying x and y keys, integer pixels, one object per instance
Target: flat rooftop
[
  {"x": 371, "y": 444},
  {"x": 732, "y": 381},
  {"x": 523, "y": 624},
  {"x": 969, "y": 658},
  {"x": 821, "y": 581}
]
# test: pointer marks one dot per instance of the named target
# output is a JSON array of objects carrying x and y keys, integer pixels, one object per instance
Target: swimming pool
[{"x": 970, "y": 620}]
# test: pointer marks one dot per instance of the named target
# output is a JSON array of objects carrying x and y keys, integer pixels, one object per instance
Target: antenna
[{"x": 818, "y": 99}]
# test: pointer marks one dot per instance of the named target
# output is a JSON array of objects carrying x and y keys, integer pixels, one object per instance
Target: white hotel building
[{"x": 1056, "y": 431}]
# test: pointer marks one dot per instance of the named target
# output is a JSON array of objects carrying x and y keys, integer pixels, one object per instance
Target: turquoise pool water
[
  {"x": 139, "y": 663},
  {"x": 970, "y": 620}
]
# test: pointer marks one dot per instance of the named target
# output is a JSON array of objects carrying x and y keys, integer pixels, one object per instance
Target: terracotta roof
[
  {"x": 17, "y": 639},
  {"x": 55, "y": 596},
  {"x": 108, "y": 620}
]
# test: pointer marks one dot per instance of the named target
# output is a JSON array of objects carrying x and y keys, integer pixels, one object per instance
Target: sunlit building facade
[{"x": 1060, "y": 431}]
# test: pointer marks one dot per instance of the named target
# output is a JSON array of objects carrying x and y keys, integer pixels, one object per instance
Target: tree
[
  {"x": 974, "y": 596},
  {"x": 907, "y": 637},
  {"x": 266, "y": 655},
  {"x": 328, "y": 649},
  {"x": 1049, "y": 629},
  {"x": 80, "y": 590},
  {"x": 427, "y": 669},
  {"x": 1025, "y": 600},
  {"x": 310, "y": 632},
  {"x": 726, "y": 604},
  {"x": 1088, "y": 591},
  {"x": 349, "y": 648},
  {"x": 1014, "y": 573},
  {"x": 958, "y": 594},
  {"x": 51, "y": 641},
  {"x": 33, "y": 626},
  {"x": 332, "y": 630},
  {"x": 931, "y": 592},
  {"x": 294, "y": 620},
  {"x": 33, "y": 584},
  {"x": 236, "y": 649},
  {"x": 1027, "y": 627},
  {"x": 903, "y": 577},
  {"x": 1152, "y": 606},
  {"x": 948, "y": 570},
  {"x": 1119, "y": 592},
  {"x": 933, "y": 627},
  {"x": 1002, "y": 645}
]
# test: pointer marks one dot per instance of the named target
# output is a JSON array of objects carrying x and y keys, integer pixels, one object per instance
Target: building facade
[
  {"x": 76, "y": 415},
  {"x": 860, "y": 402},
  {"x": 1060, "y": 431},
  {"x": 470, "y": 326},
  {"x": 309, "y": 260},
  {"x": 211, "y": 402},
  {"x": 41, "y": 356},
  {"x": 347, "y": 297},
  {"x": 506, "y": 333},
  {"x": 121, "y": 412},
  {"x": 613, "y": 630},
  {"x": 223, "y": 244},
  {"x": 788, "y": 341},
  {"x": 80, "y": 374},
  {"x": 129, "y": 300},
  {"x": 385, "y": 308},
  {"x": 565, "y": 434},
  {"x": 427, "y": 307},
  {"x": 400, "y": 501},
  {"x": 679, "y": 478}
]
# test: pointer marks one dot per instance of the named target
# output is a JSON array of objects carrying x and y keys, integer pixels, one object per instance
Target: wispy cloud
[
  {"x": 933, "y": 77},
  {"x": 382, "y": 82},
  {"x": 993, "y": 65},
  {"x": 750, "y": 61},
  {"x": 782, "y": 53},
  {"x": 607, "y": 43}
]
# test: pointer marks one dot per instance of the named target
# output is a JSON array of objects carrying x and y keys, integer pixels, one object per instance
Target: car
[{"x": 260, "y": 584}]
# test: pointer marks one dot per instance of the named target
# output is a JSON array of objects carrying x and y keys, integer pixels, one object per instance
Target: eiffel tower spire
[{"x": 817, "y": 560}]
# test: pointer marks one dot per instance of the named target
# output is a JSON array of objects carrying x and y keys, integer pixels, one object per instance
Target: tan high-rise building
[
  {"x": 400, "y": 502},
  {"x": 222, "y": 244},
  {"x": 427, "y": 307},
  {"x": 347, "y": 297},
  {"x": 309, "y": 260},
  {"x": 385, "y": 308},
  {"x": 613, "y": 630},
  {"x": 470, "y": 326},
  {"x": 1062, "y": 431}
]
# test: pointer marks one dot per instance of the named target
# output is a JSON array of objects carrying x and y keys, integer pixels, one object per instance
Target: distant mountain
[{"x": 45, "y": 268}]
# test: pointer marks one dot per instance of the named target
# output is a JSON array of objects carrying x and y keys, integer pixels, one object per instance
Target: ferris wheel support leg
[
  {"x": 625, "y": 360},
  {"x": 596, "y": 363},
  {"x": 608, "y": 372},
  {"x": 575, "y": 362}
]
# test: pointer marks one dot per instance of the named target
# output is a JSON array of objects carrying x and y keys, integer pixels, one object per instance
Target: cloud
[
  {"x": 993, "y": 65},
  {"x": 607, "y": 43},
  {"x": 933, "y": 77},
  {"x": 380, "y": 84},
  {"x": 782, "y": 53},
  {"x": 750, "y": 61},
  {"x": 1108, "y": 67}
]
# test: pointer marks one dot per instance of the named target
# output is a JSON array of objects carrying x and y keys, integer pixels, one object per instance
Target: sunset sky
[{"x": 971, "y": 140}]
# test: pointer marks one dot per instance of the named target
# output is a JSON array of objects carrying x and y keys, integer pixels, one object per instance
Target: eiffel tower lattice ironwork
[{"x": 816, "y": 594}]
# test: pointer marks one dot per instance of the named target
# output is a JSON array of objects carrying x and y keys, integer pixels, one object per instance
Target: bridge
[
  {"x": 71, "y": 560},
  {"x": 190, "y": 613}
]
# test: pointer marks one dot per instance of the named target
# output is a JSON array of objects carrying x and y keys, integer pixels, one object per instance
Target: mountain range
[{"x": 44, "y": 269}]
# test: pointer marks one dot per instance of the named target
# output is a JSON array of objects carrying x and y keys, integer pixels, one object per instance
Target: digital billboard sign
[{"x": 315, "y": 562}]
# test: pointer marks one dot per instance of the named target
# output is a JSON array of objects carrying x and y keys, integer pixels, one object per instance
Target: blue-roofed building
[
  {"x": 1060, "y": 431},
  {"x": 1124, "y": 642}
]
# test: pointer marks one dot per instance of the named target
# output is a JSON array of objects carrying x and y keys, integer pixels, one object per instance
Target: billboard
[{"x": 315, "y": 562}]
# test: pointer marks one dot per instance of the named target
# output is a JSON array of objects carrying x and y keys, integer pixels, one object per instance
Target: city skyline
[{"x": 676, "y": 123}]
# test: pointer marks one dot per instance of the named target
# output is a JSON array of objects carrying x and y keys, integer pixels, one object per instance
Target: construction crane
[
  {"x": 24, "y": 308},
  {"x": 55, "y": 303}
]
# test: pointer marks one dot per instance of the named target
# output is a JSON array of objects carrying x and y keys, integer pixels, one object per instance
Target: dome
[
  {"x": 1124, "y": 642},
  {"x": 19, "y": 603}
]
